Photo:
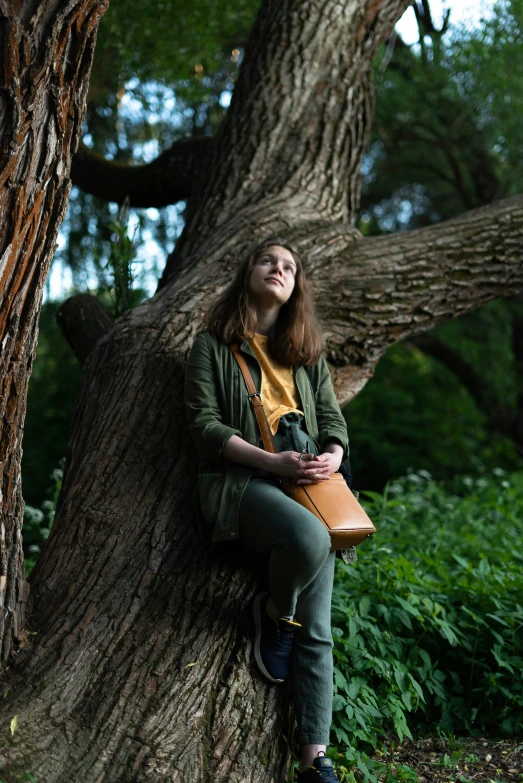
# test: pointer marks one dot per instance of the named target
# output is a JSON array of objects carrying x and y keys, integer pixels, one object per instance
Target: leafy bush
[{"x": 428, "y": 624}]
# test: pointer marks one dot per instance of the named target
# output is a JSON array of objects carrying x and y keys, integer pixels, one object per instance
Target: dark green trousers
[{"x": 301, "y": 573}]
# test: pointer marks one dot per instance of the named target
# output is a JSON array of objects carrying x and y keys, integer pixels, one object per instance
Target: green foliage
[
  {"x": 120, "y": 264},
  {"x": 415, "y": 413},
  {"x": 53, "y": 386},
  {"x": 372, "y": 770},
  {"x": 38, "y": 521},
  {"x": 428, "y": 624},
  {"x": 367, "y": 769},
  {"x": 120, "y": 288},
  {"x": 163, "y": 42},
  {"x": 447, "y": 135},
  {"x": 484, "y": 337},
  {"x": 489, "y": 78},
  {"x": 25, "y": 777}
]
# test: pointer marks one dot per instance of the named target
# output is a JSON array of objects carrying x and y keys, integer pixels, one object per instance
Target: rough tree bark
[
  {"x": 47, "y": 50},
  {"x": 140, "y": 669}
]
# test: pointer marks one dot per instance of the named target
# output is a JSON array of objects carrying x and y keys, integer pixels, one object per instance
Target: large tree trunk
[
  {"x": 47, "y": 50},
  {"x": 141, "y": 667}
]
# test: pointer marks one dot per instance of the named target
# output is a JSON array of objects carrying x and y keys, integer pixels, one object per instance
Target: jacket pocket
[{"x": 210, "y": 490}]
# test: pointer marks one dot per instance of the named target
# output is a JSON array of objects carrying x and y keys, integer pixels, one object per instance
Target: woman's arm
[
  {"x": 286, "y": 463},
  {"x": 238, "y": 450},
  {"x": 204, "y": 414},
  {"x": 329, "y": 418}
]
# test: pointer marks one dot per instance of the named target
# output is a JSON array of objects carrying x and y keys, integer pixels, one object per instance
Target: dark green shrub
[{"x": 428, "y": 624}]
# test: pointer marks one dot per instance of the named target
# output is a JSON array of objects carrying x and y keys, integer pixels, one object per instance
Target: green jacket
[{"x": 218, "y": 406}]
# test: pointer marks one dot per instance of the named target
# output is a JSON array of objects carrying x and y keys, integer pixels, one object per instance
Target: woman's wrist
[
  {"x": 333, "y": 446},
  {"x": 268, "y": 459},
  {"x": 238, "y": 450}
]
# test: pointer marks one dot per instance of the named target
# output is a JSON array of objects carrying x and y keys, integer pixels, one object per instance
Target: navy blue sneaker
[
  {"x": 273, "y": 642},
  {"x": 321, "y": 771}
]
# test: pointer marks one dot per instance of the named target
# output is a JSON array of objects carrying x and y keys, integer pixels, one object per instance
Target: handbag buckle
[{"x": 256, "y": 394}]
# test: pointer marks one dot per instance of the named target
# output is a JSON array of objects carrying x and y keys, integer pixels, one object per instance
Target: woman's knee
[{"x": 309, "y": 540}]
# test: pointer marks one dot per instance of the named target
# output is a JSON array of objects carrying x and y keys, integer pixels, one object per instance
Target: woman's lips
[{"x": 273, "y": 280}]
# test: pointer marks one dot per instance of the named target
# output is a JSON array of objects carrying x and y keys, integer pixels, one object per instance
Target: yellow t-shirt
[{"x": 279, "y": 392}]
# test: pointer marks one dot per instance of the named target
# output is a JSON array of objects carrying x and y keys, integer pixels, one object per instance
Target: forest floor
[{"x": 479, "y": 760}]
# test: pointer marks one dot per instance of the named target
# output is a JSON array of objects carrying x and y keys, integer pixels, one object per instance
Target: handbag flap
[{"x": 333, "y": 501}]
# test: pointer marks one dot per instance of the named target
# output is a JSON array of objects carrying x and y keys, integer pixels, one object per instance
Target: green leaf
[{"x": 366, "y": 772}]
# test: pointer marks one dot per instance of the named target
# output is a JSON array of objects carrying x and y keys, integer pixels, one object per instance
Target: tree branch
[
  {"x": 83, "y": 319},
  {"x": 423, "y": 14},
  {"x": 174, "y": 175},
  {"x": 376, "y": 291}
]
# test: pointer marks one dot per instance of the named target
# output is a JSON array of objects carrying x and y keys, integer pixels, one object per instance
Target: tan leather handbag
[{"x": 331, "y": 501}]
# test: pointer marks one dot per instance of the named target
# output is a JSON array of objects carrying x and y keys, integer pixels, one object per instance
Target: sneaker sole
[{"x": 256, "y": 611}]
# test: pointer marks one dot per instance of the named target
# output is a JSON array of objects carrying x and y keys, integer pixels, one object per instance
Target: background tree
[
  {"x": 140, "y": 665},
  {"x": 44, "y": 71},
  {"x": 445, "y": 138}
]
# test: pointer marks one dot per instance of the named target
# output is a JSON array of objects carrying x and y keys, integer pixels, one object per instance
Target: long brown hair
[{"x": 295, "y": 338}]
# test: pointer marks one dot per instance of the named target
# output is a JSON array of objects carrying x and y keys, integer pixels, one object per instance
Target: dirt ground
[{"x": 479, "y": 760}]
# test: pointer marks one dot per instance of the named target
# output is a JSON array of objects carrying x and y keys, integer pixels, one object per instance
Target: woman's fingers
[
  {"x": 317, "y": 470},
  {"x": 315, "y": 467},
  {"x": 303, "y": 470},
  {"x": 311, "y": 477}
]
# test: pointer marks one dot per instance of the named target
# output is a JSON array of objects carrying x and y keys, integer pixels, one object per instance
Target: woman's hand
[
  {"x": 288, "y": 464},
  {"x": 308, "y": 469},
  {"x": 320, "y": 468}
]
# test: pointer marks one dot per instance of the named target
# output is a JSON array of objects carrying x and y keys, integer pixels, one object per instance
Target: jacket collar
[{"x": 246, "y": 348}]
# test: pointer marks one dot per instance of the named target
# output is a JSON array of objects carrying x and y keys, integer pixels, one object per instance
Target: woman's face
[{"x": 273, "y": 276}]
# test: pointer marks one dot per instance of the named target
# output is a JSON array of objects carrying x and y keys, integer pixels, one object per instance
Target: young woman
[{"x": 267, "y": 311}]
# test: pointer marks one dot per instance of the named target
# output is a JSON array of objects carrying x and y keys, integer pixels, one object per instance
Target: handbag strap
[{"x": 256, "y": 401}]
